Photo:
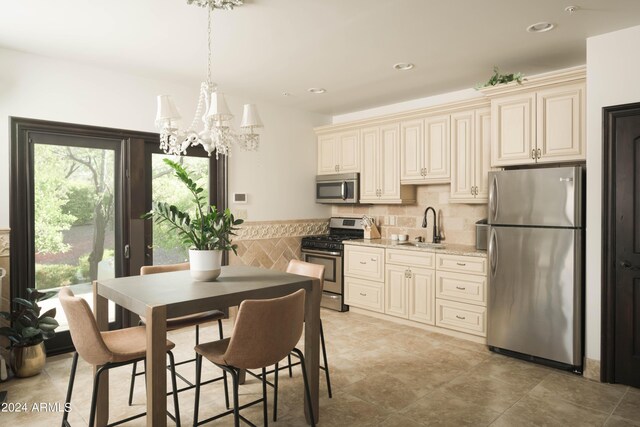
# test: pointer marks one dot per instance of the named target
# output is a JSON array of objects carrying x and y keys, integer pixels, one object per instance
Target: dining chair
[
  {"x": 106, "y": 350},
  {"x": 316, "y": 271},
  {"x": 178, "y": 323},
  {"x": 265, "y": 332}
]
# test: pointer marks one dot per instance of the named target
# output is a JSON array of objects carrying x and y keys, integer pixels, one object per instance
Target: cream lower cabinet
[
  {"x": 461, "y": 293},
  {"x": 470, "y": 158},
  {"x": 364, "y": 276},
  {"x": 542, "y": 126},
  {"x": 380, "y": 169},
  {"x": 409, "y": 290}
]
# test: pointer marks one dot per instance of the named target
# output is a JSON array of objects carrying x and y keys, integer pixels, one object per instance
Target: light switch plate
[{"x": 240, "y": 198}]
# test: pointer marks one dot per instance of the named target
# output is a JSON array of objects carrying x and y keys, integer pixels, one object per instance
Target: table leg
[
  {"x": 101, "y": 312},
  {"x": 312, "y": 345},
  {"x": 156, "y": 366}
]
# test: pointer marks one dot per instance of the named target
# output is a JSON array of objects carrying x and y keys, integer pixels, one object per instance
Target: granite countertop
[{"x": 449, "y": 248}]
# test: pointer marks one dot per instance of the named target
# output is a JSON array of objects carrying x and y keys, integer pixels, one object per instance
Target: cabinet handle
[
  {"x": 533, "y": 153},
  {"x": 363, "y": 262},
  {"x": 462, "y": 288},
  {"x": 539, "y": 153},
  {"x": 374, "y": 259},
  {"x": 460, "y": 317},
  {"x": 462, "y": 264},
  {"x": 362, "y": 294}
]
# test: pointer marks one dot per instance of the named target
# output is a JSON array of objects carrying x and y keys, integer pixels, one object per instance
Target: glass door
[{"x": 76, "y": 185}]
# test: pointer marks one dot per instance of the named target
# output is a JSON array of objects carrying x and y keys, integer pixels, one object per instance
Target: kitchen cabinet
[
  {"x": 470, "y": 154},
  {"x": 339, "y": 152},
  {"x": 364, "y": 262},
  {"x": 380, "y": 176},
  {"x": 471, "y": 319},
  {"x": 409, "y": 289},
  {"x": 364, "y": 294},
  {"x": 425, "y": 150},
  {"x": 543, "y": 126}
]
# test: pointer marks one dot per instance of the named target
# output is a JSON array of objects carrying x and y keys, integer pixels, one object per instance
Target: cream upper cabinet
[
  {"x": 513, "y": 129},
  {"x": 380, "y": 177},
  {"x": 542, "y": 126},
  {"x": 339, "y": 152},
  {"x": 470, "y": 148},
  {"x": 425, "y": 150},
  {"x": 411, "y": 148},
  {"x": 560, "y": 124}
]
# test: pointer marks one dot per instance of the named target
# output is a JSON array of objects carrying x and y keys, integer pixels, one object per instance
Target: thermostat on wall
[{"x": 239, "y": 197}]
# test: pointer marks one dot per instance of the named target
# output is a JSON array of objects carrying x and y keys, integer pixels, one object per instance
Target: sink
[{"x": 424, "y": 245}]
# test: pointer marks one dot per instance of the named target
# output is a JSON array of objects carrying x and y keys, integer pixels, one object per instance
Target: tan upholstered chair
[
  {"x": 105, "y": 349},
  {"x": 316, "y": 271},
  {"x": 178, "y": 323},
  {"x": 265, "y": 332}
]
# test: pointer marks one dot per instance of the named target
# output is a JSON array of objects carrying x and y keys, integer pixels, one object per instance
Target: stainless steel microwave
[{"x": 338, "y": 188}]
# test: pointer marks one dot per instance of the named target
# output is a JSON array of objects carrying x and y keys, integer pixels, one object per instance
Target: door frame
[
  {"x": 607, "y": 335},
  {"x": 21, "y": 198}
]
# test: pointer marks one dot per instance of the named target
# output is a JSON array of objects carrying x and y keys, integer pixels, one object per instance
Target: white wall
[
  {"x": 612, "y": 79},
  {"x": 278, "y": 178},
  {"x": 414, "y": 104}
]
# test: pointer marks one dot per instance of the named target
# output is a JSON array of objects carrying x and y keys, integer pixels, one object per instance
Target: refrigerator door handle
[
  {"x": 493, "y": 198},
  {"x": 493, "y": 252}
]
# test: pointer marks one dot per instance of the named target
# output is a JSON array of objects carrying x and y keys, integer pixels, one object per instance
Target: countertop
[{"x": 449, "y": 248}]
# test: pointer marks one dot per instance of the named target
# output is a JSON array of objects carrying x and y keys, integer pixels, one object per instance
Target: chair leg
[
  {"x": 94, "y": 396},
  {"x": 226, "y": 389},
  {"x": 324, "y": 357},
  {"x": 220, "y": 332},
  {"x": 290, "y": 369},
  {"x": 174, "y": 385},
  {"x": 72, "y": 377},
  {"x": 197, "y": 397},
  {"x": 133, "y": 382},
  {"x": 234, "y": 379},
  {"x": 306, "y": 385},
  {"x": 265, "y": 413},
  {"x": 275, "y": 394}
]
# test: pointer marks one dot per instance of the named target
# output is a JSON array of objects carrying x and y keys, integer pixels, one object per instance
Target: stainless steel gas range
[{"x": 328, "y": 250}]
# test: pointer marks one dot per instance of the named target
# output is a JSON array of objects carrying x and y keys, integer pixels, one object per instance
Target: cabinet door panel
[
  {"x": 364, "y": 294},
  {"x": 513, "y": 129},
  {"x": 422, "y": 296},
  {"x": 395, "y": 297},
  {"x": 462, "y": 156},
  {"x": 327, "y": 154},
  {"x": 437, "y": 153},
  {"x": 364, "y": 262},
  {"x": 560, "y": 124},
  {"x": 411, "y": 145},
  {"x": 482, "y": 153},
  {"x": 370, "y": 161},
  {"x": 349, "y": 152},
  {"x": 389, "y": 162}
]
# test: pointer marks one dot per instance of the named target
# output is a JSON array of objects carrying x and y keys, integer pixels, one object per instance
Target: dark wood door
[{"x": 627, "y": 247}]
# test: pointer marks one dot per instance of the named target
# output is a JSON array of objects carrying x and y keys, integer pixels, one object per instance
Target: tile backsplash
[{"x": 456, "y": 220}]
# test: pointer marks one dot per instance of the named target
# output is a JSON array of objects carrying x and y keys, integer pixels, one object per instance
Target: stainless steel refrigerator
[{"x": 535, "y": 254}]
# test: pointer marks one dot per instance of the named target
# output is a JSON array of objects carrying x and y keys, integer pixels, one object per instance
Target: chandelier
[{"x": 216, "y": 133}]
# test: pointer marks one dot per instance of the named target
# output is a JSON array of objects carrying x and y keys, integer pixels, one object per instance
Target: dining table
[{"x": 157, "y": 297}]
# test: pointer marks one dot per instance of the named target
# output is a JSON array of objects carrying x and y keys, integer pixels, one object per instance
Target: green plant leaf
[{"x": 30, "y": 332}]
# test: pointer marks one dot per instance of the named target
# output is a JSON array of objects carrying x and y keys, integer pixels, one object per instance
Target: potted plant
[
  {"x": 27, "y": 331},
  {"x": 497, "y": 78},
  {"x": 208, "y": 232}
]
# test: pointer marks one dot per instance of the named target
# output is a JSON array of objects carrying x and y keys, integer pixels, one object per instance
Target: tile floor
[{"x": 382, "y": 374}]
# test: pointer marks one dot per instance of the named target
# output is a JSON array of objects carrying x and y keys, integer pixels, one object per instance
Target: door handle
[
  {"x": 493, "y": 198},
  {"x": 343, "y": 190},
  {"x": 493, "y": 252},
  {"x": 628, "y": 265}
]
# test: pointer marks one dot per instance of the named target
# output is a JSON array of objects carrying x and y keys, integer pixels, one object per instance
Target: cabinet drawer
[
  {"x": 461, "y": 287},
  {"x": 411, "y": 258},
  {"x": 461, "y": 264},
  {"x": 364, "y": 294},
  {"x": 364, "y": 262},
  {"x": 468, "y": 318}
]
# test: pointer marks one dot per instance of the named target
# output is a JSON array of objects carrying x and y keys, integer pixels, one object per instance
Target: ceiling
[{"x": 268, "y": 47}]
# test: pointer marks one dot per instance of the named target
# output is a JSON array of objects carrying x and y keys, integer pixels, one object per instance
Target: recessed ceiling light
[
  {"x": 571, "y": 9},
  {"x": 286, "y": 94},
  {"x": 316, "y": 90},
  {"x": 540, "y": 27},
  {"x": 403, "y": 66}
]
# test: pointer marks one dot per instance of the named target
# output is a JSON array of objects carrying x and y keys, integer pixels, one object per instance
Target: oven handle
[{"x": 307, "y": 251}]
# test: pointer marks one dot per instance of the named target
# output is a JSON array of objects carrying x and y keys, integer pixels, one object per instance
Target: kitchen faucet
[{"x": 436, "y": 235}]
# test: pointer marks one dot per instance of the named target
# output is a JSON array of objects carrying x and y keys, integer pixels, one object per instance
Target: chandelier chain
[{"x": 209, "y": 44}]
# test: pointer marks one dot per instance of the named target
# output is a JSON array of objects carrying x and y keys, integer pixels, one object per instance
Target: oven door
[
  {"x": 332, "y": 262},
  {"x": 337, "y": 189}
]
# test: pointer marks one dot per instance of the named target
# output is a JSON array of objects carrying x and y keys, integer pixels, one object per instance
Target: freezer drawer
[
  {"x": 538, "y": 197},
  {"x": 535, "y": 292}
]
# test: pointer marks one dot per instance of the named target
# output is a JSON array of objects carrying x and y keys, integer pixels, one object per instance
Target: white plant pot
[{"x": 205, "y": 265}]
